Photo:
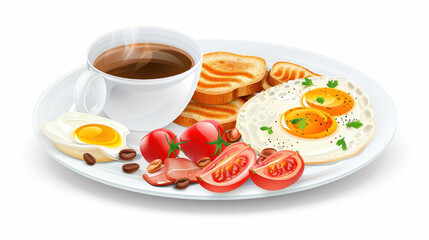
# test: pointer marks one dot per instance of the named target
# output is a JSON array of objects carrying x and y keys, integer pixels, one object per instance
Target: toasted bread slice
[
  {"x": 225, "y": 114},
  {"x": 265, "y": 86},
  {"x": 248, "y": 97},
  {"x": 226, "y": 76},
  {"x": 284, "y": 71}
]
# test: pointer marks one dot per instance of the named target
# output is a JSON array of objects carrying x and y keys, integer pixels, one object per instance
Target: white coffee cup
[{"x": 141, "y": 105}]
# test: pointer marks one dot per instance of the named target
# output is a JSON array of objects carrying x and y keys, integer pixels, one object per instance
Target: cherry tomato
[
  {"x": 278, "y": 171},
  {"x": 159, "y": 144},
  {"x": 203, "y": 139},
  {"x": 229, "y": 170}
]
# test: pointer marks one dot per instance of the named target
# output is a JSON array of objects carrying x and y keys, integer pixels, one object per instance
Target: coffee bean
[
  {"x": 154, "y": 166},
  {"x": 203, "y": 162},
  {"x": 182, "y": 183},
  {"x": 130, "y": 167},
  {"x": 127, "y": 154},
  {"x": 89, "y": 159},
  {"x": 267, "y": 152},
  {"x": 233, "y": 135}
]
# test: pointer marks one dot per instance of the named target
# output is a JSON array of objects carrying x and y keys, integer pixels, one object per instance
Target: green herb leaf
[
  {"x": 342, "y": 143},
  {"x": 268, "y": 129},
  {"x": 332, "y": 83},
  {"x": 307, "y": 82},
  {"x": 300, "y": 121},
  {"x": 320, "y": 100},
  {"x": 302, "y": 124},
  {"x": 355, "y": 124},
  {"x": 296, "y": 120}
]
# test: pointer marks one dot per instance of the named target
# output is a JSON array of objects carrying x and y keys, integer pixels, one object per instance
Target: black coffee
[{"x": 144, "y": 61}]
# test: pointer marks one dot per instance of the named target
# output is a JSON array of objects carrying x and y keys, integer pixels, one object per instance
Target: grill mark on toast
[
  {"x": 220, "y": 79},
  {"x": 289, "y": 74},
  {"x": 212, "y": 111},
  {"x": 218, "y": 113},
  {"x": 218, "y": 72},
  {"x": 225, "y": 108},
  {"x": 291, "y": 71},
  {"x": 212, "y": 85}
]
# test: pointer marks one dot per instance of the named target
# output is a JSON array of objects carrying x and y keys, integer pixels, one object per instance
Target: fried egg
[
  {"x": 328, "y": 120},
  {"x": 76, "y": 133}
]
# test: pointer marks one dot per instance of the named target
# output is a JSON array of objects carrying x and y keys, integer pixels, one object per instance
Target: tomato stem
[
  {"x": 219, "y": 141},
  {"x": 173, "y": 146}
]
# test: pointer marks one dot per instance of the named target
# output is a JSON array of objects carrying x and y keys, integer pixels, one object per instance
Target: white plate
[{"x": 58, "y": 99}]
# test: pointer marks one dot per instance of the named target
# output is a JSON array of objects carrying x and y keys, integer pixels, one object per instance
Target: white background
[{"x": 388, "y": 40}]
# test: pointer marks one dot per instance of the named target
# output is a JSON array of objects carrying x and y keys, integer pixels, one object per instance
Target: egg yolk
[
  {"x": 330, "y": 100},
  {"x": 98, "y": 134},
  {"x": 308, "y": 122}
]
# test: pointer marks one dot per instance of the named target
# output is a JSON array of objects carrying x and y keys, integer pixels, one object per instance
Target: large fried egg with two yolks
[
  {"x": 326, "y": 119},
  {"x": 76, "y": 133}
]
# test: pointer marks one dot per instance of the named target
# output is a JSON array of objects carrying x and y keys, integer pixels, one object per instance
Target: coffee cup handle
[{"x": 90, "y": 93}]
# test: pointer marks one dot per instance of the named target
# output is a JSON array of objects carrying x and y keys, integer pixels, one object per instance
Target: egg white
[
  {"x": 60, "y": 132},
  {"x": 266, "y": 108}
]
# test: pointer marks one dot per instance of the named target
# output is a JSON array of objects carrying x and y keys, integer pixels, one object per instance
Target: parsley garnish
[
  {"x": 307, "y": 82},
  {"x": 265, "y": 128},
  {"x": 332, "y": 83},
  {"x": 355, "y": 124},
  {"x": 320, "y": 100},
  {"x": 342, "y": 143},
  {"x": 296, "y": 120},
  {"x": 300, "y": 121}
]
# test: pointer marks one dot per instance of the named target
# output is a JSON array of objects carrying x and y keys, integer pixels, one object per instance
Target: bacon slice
[
  {"x": 157, "y": 178},
  {"x": 177, "y": 168}
]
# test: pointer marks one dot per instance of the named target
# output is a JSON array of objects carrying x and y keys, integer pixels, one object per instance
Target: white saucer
[{"x": 58, "y": 99}]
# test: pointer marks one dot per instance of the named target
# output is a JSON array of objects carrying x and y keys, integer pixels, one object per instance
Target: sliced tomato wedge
[
  {"x": 278, "y": 171},
  {"x": 157, "y": 178},
  {"x": 229, "y": 170},
  {"x": 177, "y": 168}
]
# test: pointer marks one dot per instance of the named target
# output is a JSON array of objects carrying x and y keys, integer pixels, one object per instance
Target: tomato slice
[
  {"x": 157, "y": 178},
  {"x": 229, "y": 170},
  {"x": 278, "y": 171},
  {"x": 177, "y": 168}
]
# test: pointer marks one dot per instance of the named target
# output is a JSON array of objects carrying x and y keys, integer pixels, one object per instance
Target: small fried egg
[
  {"x": 328, "y": 120},
  {"x": 76, "y": 133}
]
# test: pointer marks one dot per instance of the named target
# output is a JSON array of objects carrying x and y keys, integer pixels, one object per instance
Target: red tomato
[
  {"x": 229, "y": 170},
  {"x": 203, "y": 139},
  {"x": 159, "y": 144},
  {"x": 279, "y": 170}
]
